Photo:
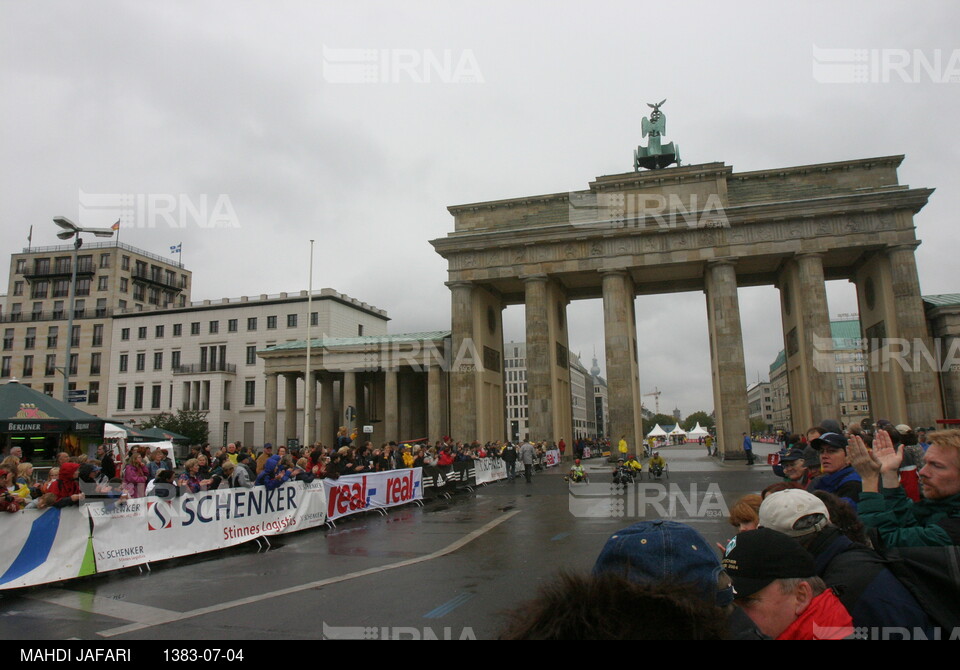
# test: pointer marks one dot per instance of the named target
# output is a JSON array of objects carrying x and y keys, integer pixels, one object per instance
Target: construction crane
[{"x": 656, "y": 395}]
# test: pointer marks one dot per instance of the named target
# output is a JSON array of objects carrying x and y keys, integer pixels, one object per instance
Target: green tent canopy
[{"x": 25, "y": 411}]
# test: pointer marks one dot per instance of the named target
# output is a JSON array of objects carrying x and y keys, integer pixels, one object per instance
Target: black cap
[
  {"x": 756, "y": 558},
  {"x": 835, "y": 440},
  {"x": 792, "y": 455}
]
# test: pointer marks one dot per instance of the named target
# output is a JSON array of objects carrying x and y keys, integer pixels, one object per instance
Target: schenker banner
[
  {"x": 31, "y": 537},
  {"x": 354, "y": 493},
  {"x": 149, "y": 529}
]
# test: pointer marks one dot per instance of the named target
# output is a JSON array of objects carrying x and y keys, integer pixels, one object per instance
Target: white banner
[
  {"x": 552, "y": 458},
  {"x": 150, "y": 529},
  {"x": 489, "y": 469},
  {"x": 354, "y": 493},
  {"x": 41, "y": 546}
]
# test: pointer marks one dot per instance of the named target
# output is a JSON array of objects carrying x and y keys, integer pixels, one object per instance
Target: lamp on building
[{"x": 70, "y": 229}]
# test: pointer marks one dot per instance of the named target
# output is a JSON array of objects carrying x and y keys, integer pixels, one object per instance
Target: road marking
[
  {"x": 449, "y": 606},
  {"x": 117, "y": 609},
  {"x": 558, "y": 536},
  {"x": 180, "y": 616}
]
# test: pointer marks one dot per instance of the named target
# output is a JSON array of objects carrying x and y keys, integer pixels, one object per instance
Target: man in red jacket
[{"x": 775, "y": 583}]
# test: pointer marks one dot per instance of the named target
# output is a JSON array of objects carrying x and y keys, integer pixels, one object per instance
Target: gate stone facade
[{"x": 691, "y": 228}]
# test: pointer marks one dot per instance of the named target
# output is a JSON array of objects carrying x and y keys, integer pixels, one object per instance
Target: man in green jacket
[{"x": 935, "y": 520}]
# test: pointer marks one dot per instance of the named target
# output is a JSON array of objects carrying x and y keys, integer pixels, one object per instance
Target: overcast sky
[{"x": 297, "y": 120}]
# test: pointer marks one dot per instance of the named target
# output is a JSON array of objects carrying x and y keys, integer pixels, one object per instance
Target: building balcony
[
  {"x": 205, "y": 368},
  {"x": 157, "y": 279},
  {"x": 56, "y": 315}
]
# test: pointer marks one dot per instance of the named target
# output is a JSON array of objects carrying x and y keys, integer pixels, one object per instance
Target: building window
[
  {"x": 97, "y": 335},
  {"x": 8, "y": 339},
  {"x": 122, "y": 305},
  {"x": 124, "y": 333},
  {"x": 177, "y": 329},
  {"x": 124, "y": 285},
  {"x": 138, "y": 292},
  {"x": 121, "y": 397},
  {"x": 214, "y": 327},
  {"x": 124, "y": 362},
  {"x": 250, "y": 393},
  {"x": 314, "y": 318},
  {"x": 18, "y": 288},
  {"x": 101, "y": 308},
  {"x": 39, "y": 291},
  {"x": 142, "y": 333},
  {"x": 95, "y": 363},
  {"x": 291, "y": 320},
  {"x": 83, "y": 287},
  {"x": 28, "y": 366},
  {"x": 252, "y": 323},
  {"x": 21, "y": 265},
  {"x": 158, "y": 332},
  {"x": 138, "y": 397},
  {"x": 5, "y": 366},
  {"x": 50, "y": 368},
  {"x": 271, "y": 322},
  {"x": 141, "y": 362},
  {"x": 75, "y": 337},
  {"x": 155, "y": 396},
  {"x": 174, "y": 359},
  {"x": 158, "y": 360},
  {"x": 360, "y": 330},
  {"x": 252, "y": 354},
  {"x": 195, "y": 328},
  {"x": 103, "y": 283},
  {"x": 74, "y": 363},
  {"x": 30, "y": 341},
  {"x": 52, "y": 333},
  {"x": 232, "y": 326},
  {"x": 61, "y": 288},
  {"x": 104, "y": 260},
  {"x": 93, "y": 396}
]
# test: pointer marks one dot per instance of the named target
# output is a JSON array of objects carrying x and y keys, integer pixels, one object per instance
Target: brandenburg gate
[{"x": 687, "y": 228}]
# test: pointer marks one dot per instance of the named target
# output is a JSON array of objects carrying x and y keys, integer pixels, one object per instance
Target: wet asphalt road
[{"x": 449, "y": 569}]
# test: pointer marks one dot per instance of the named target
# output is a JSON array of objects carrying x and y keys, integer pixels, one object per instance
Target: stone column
[
  {"x": 548, "y": 360},
  {"x": 391, "y": 419},
  {"x": 463, "y": 391},
  {"x": 726, "y": 357},
  {"x": 476, "y": 390},
  {"x": 623, "y": 379},
  {"x": 539, "y": 388},
  {"x": 919, "y": 388},
  {"x": 434, "y": 405},
  {"x": 349, "y": 398},
  {"x": 901, "y": 360},
  {"x": 290, "y": 406},
  {"x": 270, "y": 408},
  {"x": 328, "y": 412},
  {"x": 808, "y": 342}
]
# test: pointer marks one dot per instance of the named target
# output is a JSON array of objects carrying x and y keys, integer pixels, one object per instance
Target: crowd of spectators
[
  {"x": 859, "y": 539},
  {"x": 147, "y": 471}
]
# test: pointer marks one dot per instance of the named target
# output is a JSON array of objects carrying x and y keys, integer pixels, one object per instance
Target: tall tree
[
  {"x": 188, "y": 422},
  {"x": 706, "y": 421}
]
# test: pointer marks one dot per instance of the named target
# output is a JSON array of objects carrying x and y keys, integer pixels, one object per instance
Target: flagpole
[
  {"x": 30, "y": 238},
  {"x": 309, "y": 387},
  {"x": 180, "y": 253}
]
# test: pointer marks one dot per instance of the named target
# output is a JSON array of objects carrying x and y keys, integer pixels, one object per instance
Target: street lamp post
[{"x": 70, "y": 229}]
